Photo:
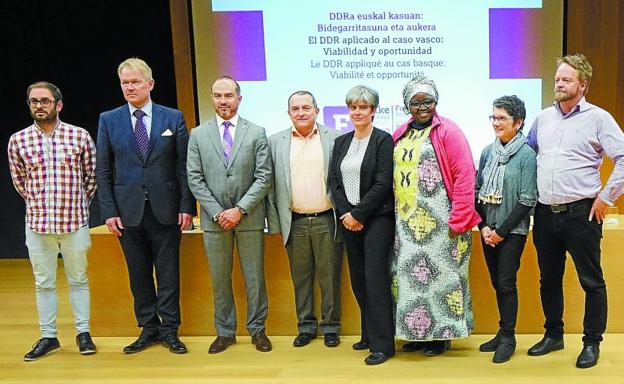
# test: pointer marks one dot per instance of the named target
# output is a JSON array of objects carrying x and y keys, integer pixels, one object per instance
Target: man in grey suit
[
  {"x": 229, "y": 172},
  {"x": 299, "y": 206}
]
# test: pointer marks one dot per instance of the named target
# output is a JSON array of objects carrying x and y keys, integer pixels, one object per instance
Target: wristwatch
[{"x": 241, "y": 209}]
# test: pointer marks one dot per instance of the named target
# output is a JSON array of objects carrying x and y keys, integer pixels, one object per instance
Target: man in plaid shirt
[{"x": 53, "y": 168}]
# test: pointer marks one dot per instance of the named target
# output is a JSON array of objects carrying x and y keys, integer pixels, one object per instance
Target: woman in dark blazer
[{"x": 361, "y": 185}]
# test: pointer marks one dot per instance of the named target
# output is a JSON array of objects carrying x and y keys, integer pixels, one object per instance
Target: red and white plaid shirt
[{"x": 55, "y": 175}]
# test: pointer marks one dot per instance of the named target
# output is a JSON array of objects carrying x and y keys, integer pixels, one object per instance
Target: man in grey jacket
[
  {"x": 299, "y": 206},
  {"x": 229, "y": 171}
]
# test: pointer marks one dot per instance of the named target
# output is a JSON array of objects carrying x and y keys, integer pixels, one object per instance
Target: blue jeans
[{"x": 43, "y": 250}]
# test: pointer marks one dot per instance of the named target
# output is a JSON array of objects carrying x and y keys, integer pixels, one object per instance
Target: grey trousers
[
  {"x": 312, "y": 252},
  {"x": 219, "y": 247}
]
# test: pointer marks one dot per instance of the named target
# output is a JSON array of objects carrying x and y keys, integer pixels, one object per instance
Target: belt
[
  {"x": 560, "y": 208},
  {"x": 297, "y": 215}
]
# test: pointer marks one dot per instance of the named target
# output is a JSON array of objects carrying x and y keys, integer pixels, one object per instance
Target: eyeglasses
[
  {"x": 44, "y": 102},
  {"x": 417, "y": 104},
  {"x": 499, "y": 119}
]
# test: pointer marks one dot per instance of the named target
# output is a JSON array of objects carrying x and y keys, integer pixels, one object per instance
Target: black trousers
[
  {"x": 368, "y": 255},
  {"x": 571, "y": 231},
  {"x": 153, "y": 247},
  {"x": 503, "y": 262}
]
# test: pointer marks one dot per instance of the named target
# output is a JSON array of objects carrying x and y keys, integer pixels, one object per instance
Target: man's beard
[
  {"x": 561, "y": 96},
  {"x": 566, "y": 95},
  {"x": 48, "y": 118}
]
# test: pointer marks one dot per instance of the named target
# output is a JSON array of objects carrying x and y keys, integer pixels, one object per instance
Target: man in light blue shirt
[{"x": 571, "y": 138}]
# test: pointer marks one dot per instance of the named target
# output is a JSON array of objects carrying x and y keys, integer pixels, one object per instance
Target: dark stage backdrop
[{"x": 77, "y": 46}]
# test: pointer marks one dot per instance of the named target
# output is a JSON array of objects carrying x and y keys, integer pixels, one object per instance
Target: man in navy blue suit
[{"x": 145, "y": 200}]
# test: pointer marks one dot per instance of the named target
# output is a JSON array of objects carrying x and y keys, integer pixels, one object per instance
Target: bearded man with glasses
[{"x": 53, "y": 168}]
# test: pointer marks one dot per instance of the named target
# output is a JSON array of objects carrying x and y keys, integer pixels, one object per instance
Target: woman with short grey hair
[
  {"x": 361, "y": 186},
  {"x": 506, "y": 191}
]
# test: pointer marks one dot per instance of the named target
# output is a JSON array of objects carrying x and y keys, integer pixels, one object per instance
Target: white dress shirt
[
  {"x": 232, "y": 129},
  {"x": 147, "y": 119}
]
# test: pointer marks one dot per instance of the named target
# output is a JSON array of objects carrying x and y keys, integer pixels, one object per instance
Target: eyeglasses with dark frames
[
  {"x": 44, "y": 102},
  {"x": 427, "y": 103}
]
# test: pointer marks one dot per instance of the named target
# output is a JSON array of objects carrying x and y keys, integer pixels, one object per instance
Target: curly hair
[{"x": 513, "y": 105}]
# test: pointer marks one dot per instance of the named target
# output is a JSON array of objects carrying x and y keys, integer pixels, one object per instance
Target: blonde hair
[
  {"x": 136, "y": 64},
  {"x": 579, "y": 62}
]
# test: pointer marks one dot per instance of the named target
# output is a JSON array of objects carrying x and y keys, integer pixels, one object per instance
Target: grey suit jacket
[
  {"x": 279, "y": 199},
  {"x": 243, "y": 180}
]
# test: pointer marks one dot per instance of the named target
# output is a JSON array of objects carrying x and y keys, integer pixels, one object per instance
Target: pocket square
[{"x": 167, "y": 133}]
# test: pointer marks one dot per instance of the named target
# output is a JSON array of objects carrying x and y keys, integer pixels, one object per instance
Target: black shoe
[
  {"x": 85, "y": 343},
  {"x": 588, "y": 357},
  {"x": 377, "y": 358},
  {"x": 546, "y": 345},
  {"x": 360, "y": 345},
  {"x": 262, "y": 342},
  {"x": 175, "y": 345},
  {"x": 43, "y": 347},
  {"x": 437, "y": 347},
  {"x": 414, "y": 346},
  {"x": 221, "y": 343},
  {"x": 490, "y": 346},
  {"x": 303, "y": 338},
  {"x": 143, "y": 342},
  {"x": 332, "y": 339},
  {"x": 505, "y": 349}
]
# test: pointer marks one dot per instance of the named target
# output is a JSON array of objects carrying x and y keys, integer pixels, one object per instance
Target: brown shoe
[
  {"x": 262, "y": 342},
  {"x": 221, "y": 343}
]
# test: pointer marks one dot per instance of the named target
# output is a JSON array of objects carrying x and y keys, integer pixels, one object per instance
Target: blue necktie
[{"x": 140, "y": 133}]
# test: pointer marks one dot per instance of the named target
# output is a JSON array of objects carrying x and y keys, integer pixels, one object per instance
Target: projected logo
[
  {"x": 337, "y": 118},
  {"x": 387, "y": 118}
]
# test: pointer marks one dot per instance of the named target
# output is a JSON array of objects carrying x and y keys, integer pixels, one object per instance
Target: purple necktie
[
  {"x": 227, "y": 139},
  {"x": 140, "y": 133}
]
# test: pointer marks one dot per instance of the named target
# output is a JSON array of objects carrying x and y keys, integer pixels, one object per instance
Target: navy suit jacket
[{"x": 124, "y": 178}]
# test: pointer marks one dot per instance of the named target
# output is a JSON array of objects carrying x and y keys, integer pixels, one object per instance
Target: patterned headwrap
[{"x": 416, "y": 85}]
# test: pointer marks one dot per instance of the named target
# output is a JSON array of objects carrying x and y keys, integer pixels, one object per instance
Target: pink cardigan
[{"x": 457, "y": 167}]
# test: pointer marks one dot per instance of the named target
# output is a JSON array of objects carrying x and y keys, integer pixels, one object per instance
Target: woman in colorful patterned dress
[
  {"x": 360, "y": 179},
  {"x": 434, "y": 180},
  {"x": 506, "y": 191}
]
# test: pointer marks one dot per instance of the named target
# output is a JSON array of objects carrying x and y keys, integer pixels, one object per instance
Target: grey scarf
[{"x": 494, "y": 171}]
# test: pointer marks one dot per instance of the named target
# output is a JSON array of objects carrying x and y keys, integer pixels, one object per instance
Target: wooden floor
[
  {"x": 241, "y": 363},
  {"x": 314, "y": 363}
]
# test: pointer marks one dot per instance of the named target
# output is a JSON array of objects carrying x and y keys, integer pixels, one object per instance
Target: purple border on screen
[
  {"x": 515, "y": 48},
  {"x": 239, "y": 44}
]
